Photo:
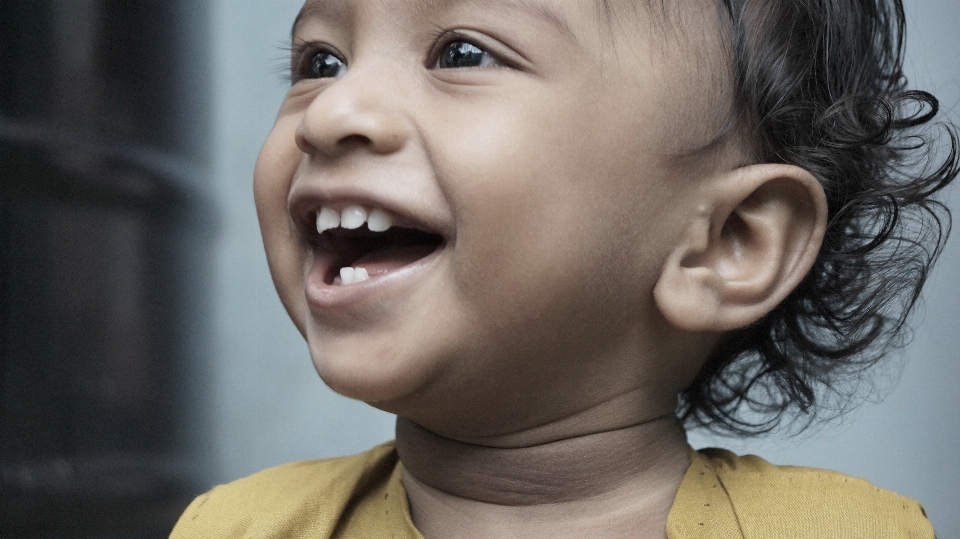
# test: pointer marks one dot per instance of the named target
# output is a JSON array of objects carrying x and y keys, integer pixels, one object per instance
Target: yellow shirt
[{"x": 721, "y": 496}]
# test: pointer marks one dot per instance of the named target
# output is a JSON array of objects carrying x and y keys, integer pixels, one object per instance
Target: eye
[
  {"x": 460, "y": 54},
  {"x": 325, "y": 65},
  {"x": 314, "y": 63}
]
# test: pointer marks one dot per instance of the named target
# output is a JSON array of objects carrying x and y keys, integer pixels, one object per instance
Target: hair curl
[{"x": 820, "y": 85}]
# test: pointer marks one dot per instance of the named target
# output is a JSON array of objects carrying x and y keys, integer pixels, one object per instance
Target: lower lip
[{"x": 329, "y": 297}]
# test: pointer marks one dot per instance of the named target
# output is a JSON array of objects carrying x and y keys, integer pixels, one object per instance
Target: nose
[{"x": 355, "y": 111}]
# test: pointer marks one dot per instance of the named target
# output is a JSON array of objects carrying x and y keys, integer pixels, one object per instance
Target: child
[{"x": 527, "y": 227}]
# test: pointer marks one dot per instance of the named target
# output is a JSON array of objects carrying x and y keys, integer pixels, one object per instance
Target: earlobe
[{"x": 753, "y": 238}]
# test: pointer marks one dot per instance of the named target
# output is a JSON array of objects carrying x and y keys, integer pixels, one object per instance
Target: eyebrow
[{"x": 334, "y": 9}]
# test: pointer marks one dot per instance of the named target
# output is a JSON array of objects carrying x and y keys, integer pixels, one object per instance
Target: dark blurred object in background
[{"x": 99, "y": 216}]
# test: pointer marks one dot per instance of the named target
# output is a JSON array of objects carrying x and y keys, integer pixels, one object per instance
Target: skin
[{"x": 586, "y": 239}]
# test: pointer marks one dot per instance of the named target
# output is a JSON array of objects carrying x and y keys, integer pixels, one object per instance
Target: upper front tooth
[
  {"x": 353, "y": 217},
  {"x": 327, "y": 219},
  {"x": 379, "y": 221}
]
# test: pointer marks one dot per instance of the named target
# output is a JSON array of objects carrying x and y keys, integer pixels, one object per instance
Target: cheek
[
  {"x": 550, "y": 213},
  {"x": 276, "y": 166}
]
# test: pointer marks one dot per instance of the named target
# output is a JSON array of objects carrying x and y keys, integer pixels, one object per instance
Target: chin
[{"x": 377, "y": 377}]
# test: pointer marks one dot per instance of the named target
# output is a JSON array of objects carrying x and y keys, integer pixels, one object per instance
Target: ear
[{"x": 755, "y": 236}]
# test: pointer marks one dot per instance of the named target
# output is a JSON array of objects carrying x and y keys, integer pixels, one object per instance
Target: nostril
[
  {"x": 354, "y": 140},
  {"x": 310, "y": 146}
]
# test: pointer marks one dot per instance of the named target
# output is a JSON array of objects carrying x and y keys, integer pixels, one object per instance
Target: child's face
[{"x": 533, "y": 145}]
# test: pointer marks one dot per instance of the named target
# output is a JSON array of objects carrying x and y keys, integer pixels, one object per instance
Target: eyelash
[{"x": 303, "y": 53}]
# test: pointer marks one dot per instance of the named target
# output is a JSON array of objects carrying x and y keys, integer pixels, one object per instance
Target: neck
[
  {"x": 612, "y": 483},
  {"x": 569, "y": 469}
]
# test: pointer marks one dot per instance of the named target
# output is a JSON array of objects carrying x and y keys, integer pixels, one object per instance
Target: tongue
[{"x": 387, "y": 259}]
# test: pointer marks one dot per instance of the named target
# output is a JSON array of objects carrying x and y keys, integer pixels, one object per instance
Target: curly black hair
[{"x": 820, "y": 85}]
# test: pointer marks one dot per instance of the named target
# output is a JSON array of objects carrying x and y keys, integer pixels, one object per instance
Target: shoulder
[
  {"x": 791, "y": 501},
  {"x": 288, "y": 500}
]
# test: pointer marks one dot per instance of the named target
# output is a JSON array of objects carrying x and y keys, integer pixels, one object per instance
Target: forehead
[
  {"x": 553, "y": 13},
  {"x": 540, "y": 8},
  {"x": 679, "y": 20}
]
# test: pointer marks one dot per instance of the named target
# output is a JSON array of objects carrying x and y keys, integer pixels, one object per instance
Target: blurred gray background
[{"x": 247, "y": 396}]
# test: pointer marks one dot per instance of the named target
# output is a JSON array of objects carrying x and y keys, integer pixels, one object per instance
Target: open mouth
[{"x": 357, "y": 244}]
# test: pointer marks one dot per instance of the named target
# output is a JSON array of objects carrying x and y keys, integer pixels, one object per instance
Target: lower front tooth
[{"x": 350, "y": 275}]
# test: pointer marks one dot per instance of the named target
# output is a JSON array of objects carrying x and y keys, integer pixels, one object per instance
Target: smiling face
[{"x": 522, "y": 158}]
